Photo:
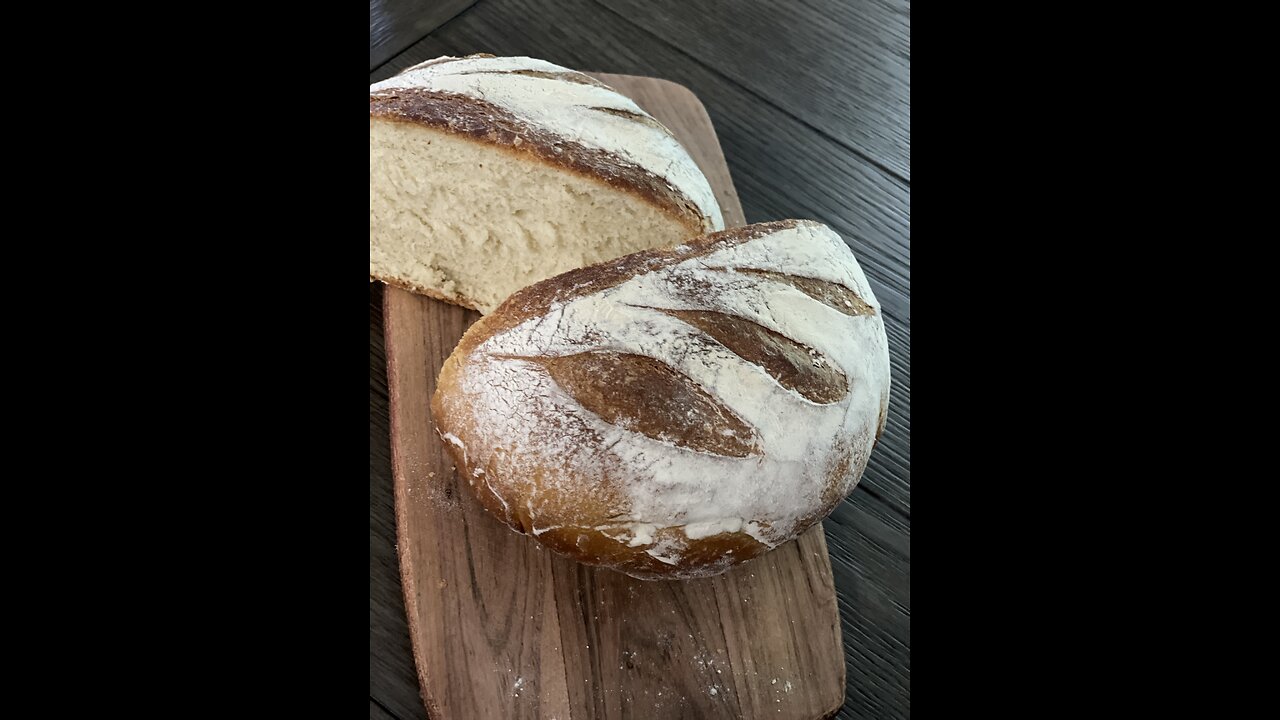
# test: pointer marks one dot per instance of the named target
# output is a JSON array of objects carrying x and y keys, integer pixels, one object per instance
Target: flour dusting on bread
[
  {"x": 675, "y": 487},
  {"x": 572, "y": 105}
]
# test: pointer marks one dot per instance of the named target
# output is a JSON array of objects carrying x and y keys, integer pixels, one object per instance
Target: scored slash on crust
[
  {"x": 831, "y": 294},
  {"x": 794, "y": 365},
  {"x": 643, "y": 395}
]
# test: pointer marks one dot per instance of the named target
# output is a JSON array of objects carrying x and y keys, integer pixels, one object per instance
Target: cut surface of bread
[
  {"x": 471, "y": 223},
  {"x": 489, "y": 174}
]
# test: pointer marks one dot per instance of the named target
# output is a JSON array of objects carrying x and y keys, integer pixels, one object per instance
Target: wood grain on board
[
  {"x": 843, "y": 68},
  {"x": 504, "y": 628}
]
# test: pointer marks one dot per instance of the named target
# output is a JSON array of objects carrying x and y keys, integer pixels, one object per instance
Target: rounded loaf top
[
  {"x": 673, "y": 412},
  {"x": 561, "y": 115}
]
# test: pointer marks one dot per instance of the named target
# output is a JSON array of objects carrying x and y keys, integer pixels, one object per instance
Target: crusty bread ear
[
  {"x": 673, "y": 412},
  {"x": 489, "y": 174}
]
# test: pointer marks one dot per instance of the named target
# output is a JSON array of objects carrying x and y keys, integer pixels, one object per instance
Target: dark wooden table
[{"x": 811, "y": 100}]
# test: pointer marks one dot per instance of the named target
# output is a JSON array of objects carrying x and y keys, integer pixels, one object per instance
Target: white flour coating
[
  {"x": 454, "y": 440},
  {"x": 564, "y": 107},
  {"x": 665, "y": 485},
  {"x": 634, "y": 534},
  {"x": 699, "y": 530},
  {"x": 478, "y": 472},
  {"x": 669, "y": 550}
]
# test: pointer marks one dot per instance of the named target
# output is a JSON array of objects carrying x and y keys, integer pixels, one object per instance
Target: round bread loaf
[{"x": 673, "y": 412}]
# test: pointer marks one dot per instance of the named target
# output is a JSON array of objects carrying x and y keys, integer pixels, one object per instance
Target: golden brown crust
[
  {"x": 701, "y": 558},
  {"x": 591, "y": 545},
  {"x": 594, "y": 542},
  {"x": 485, "y": 122},
  {"x": 651, "y": 398},
  {"x": 587, "y": 535}
]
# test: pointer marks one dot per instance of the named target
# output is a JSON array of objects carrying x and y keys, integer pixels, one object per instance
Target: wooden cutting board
[{"x": 503, "y": 628}]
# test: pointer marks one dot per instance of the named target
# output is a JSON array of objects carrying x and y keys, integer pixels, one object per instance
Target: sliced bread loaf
[{"x": 489, "y": 174}]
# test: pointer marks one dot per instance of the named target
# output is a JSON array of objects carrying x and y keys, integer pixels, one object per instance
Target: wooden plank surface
[
  {"x": 842, "y": 68},
  {"x": 782, "y": 167},
  {"x": 504, "y": 628},
  {"x": 393, "y": 681},
  {"x": 396, "y": 24}
]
